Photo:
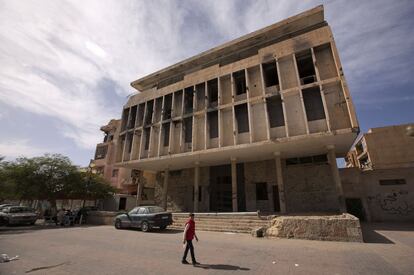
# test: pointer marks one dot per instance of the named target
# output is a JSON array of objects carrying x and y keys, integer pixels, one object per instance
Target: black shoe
[
  {"x": 195, "y": 263},
  {"x": 184, "y": 262}
]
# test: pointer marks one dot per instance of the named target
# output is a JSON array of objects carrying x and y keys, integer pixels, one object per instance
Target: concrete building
[
  {"x": 378, "y": 182},
  {"x": 381, "y": 148},
  {"x": 254, "y": 124}
]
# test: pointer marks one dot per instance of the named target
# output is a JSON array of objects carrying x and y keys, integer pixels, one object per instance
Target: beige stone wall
[
  {"x": 310, "y": 188},
  {"x": 381, "y": 202}
]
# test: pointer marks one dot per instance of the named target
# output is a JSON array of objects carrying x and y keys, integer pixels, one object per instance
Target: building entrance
[{"x": 221, "y": 190}]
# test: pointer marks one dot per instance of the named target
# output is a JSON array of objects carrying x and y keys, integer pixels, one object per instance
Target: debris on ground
[{"x": 4, "y": 258}]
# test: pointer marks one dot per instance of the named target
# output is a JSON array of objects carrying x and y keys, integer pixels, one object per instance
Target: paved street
[{"x": 104, "y": 250}]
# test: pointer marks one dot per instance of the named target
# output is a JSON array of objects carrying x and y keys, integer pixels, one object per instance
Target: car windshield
[
  {"x": 20, "y": 210},
  {"x": 155, "y": 209}
]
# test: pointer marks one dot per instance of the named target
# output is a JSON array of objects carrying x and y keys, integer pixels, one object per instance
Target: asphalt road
[{"x": 105, "y": 250}]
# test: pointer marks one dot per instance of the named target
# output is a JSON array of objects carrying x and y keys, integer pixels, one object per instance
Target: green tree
[{"x": 50, "y": 177}]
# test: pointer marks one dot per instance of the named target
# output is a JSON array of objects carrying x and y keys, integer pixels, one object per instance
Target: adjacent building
[
  {"x": 254, "y": 124},
  {"x": 378, "y": 182}
]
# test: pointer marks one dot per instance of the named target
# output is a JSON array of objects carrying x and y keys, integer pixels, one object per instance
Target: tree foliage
[{"x": 49, "y": 177}]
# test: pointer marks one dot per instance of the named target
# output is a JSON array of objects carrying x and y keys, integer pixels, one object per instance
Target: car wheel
[
  {"x": 163, "y": 227},
  {"x": 118, "y": 224},
  {"x": 145, "y": 226}
]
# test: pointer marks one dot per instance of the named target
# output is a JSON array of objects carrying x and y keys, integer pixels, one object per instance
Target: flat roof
[{"x": 282, "y": 30}]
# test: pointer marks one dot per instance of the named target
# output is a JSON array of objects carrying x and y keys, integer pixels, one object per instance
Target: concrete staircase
[{"x": 223, "y": 222}]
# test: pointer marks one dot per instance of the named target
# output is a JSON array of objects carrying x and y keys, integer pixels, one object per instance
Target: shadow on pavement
[
  {"x": 157, "y": 230},
  {"x": 222, "y": 267},
  {"x": 370, "y": 234}
]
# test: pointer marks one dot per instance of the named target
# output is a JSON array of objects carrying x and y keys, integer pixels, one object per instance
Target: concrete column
[
  {"x": 280, "y": 183},
  {"x": 234, "y": 184},
  {"x": 196, "y": 185},
  {"x": 139, "y": 192},
  {"x": 165, "y": 188},
  {"x": 336, "y": 177}
]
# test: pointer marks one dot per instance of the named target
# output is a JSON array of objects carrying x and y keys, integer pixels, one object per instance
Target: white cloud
[
  {"x": 54, "y": 54},
  {"x": 18, "y": 148}
]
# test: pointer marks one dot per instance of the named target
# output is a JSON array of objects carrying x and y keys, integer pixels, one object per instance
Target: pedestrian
[{"x": 189, "y": 235}]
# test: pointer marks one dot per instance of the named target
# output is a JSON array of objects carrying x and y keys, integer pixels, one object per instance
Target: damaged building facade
[
  {"x": 378, "y": 182},
  {"x": 254, "y": 124}
]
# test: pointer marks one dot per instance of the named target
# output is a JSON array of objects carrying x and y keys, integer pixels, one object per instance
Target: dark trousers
[{"x": 191, "y": 247}]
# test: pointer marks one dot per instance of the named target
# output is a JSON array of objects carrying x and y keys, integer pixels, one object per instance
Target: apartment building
[{"x": 254, "y": 124}]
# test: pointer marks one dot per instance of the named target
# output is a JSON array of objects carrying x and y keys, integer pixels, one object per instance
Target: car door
[
  {"x": 133, "y": 216},
  {"x": 142, "y": 211}
]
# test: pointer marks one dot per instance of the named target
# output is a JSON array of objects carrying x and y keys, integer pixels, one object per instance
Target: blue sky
[{"x": 65, "y": 66}]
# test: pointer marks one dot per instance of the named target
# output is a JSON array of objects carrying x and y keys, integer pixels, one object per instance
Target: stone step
[
  {"x": 252, "y": 225},
  {"x": 224, "y": 220},
  {"x": 217, "y": 229},
  {"x": 238, "y": 217}
]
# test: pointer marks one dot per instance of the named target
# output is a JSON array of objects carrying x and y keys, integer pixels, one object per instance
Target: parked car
[
  {"x": 6, "y": 205},
  {"x": 144, "y": 217},
  {"x": 18, "y": 215}
]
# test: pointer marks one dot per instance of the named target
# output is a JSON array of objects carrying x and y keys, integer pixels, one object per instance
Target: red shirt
[{"x": 191, "y": 230}]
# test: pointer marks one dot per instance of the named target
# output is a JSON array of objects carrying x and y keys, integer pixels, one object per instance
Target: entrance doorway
[
  {"x": 276, "y": 202},
  {"x": 221, "y": 190},
  {"x": 122, "y": 203},
  {"x": 354, "y": 206}
]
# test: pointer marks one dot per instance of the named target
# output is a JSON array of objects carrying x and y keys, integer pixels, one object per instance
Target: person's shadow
[{"x": 221, "y": 267}]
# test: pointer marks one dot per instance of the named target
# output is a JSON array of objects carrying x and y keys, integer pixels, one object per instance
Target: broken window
[
  {"x": 200, "y": 96},
  {"x": 212, "y": 118},
  {"x": 125, "y": 114},
  {"x": 242, "y": 118},
  {"x": 261, "y": 191},
  {"x": 132, "y": 117},
  {"x": 275, "y": 111},
  {"x": 188, "y": 129},
  {"x": 129, "y": 142},
  {"x": 318, "y": 159},
  {"x": 270, "y": 74},
  {"x": 167, "y": 107},
  {"x": 166, "y": 130},
  {"x": 212, "y": 88},
  {"x": 188, "y": 100},
  {"x": 306, "y": 69},
  {"x": 313, "y": 104},
  {"x": 158, "y": 109},
  {"x": 239, "y": 79},
  {"x": 392, "y": 182},
  {"x": 148, "y": 116},
  {"x": 147, "y": 137},
  {"x": 140, "y": 116},
  {"x": 100, "y": 152}
]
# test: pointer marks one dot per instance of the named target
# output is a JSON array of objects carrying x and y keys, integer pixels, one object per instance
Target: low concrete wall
[
  {"x": 343, "y": 227},
  {"x": 101, "y": 217}
]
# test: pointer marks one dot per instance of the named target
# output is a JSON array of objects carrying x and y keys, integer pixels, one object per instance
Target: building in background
[
  {"x": 123, "y": 179},
  {"x": 254, "y": 124},
  {"x": 378, "y": 182}
]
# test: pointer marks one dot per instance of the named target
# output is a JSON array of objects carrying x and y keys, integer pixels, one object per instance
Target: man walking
[{"x": 189, "y": 235}]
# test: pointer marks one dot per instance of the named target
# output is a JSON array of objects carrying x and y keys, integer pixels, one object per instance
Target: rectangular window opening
[
  {"x": 167, "y": 107},
  {"x": 140, "y": 116},
  {"x": 275, "y": 111},
  {"x": 242, "y": 118},
  {"x": 213, "y": 124},
  {"x": 147, "y": 137},
  {"x": 313, "y": 104},
  {"x": 270, "y": 74},
  {"x": 306, "y": 68},
  {"x": 188, "y": 100},
  {"x": 392, "y": 182},
  {"x": 239, "y": 82},
  {"x": 188, "y": 129},
  {"x": 132, "y": 117},
  {"x": 125, "y": 114},
  {"x": 212, "y": 88},
  {"x": 150, "y": 107},
  {"x": 166, "y": 130}
]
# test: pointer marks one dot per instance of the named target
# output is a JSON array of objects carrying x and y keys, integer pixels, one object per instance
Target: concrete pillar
[
  {"x": 336, "y": 177},
  {"x": 139, "y": 192},
  {"x": 165, "y": 188},
  {"x": 280, "y": 183},
  {"x": 196, "y": 185},
  {"x": 234, "y": 184}
]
